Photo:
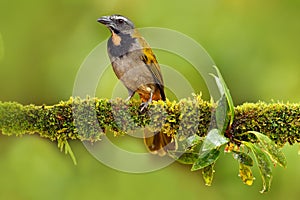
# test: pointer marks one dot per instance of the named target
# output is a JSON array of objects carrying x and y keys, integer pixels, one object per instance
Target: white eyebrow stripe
[{"x": 120, "y": 17}]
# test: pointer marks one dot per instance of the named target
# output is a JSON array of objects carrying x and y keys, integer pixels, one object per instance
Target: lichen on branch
[{"x": 88, "y": 119}]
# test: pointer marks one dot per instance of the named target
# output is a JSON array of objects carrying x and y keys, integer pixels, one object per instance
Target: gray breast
[{"x": 132, "y": 71}]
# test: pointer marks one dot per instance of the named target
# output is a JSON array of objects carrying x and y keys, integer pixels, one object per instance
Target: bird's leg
[
  {"x": 144, "y": 105},
  {"x": 130, "y": 94}
]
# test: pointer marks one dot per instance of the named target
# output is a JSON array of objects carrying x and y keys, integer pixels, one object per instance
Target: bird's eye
[{"x": 120, "y": 21}]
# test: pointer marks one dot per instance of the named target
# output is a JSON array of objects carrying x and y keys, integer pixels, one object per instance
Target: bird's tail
[{"x": 159, "y": 143}]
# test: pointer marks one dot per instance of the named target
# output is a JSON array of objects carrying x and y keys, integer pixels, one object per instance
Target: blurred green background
[{"x": 43, "y": 43}]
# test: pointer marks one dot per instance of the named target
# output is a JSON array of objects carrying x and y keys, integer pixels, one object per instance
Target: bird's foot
[
  {"x": 130, "y": 95},
  {"x": 143, "y": 107},
  {"x": 128, "y": 98}
]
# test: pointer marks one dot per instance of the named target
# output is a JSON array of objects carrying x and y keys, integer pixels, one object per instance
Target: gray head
[{"x": 117, "y": 23}]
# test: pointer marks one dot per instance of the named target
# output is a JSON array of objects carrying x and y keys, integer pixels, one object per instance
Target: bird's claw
[
  {"x": 143, "y": 107},
  {"x": 128, "y": 98}
]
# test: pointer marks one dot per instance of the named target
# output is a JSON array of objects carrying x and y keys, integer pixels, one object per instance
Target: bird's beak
[{"x": 105, "y": 20}]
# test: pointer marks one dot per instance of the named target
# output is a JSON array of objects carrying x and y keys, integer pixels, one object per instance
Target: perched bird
[{"x": 136, "y": 66}]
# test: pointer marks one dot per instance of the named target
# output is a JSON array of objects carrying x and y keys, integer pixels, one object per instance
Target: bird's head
[{"x": 117, "y": 24}]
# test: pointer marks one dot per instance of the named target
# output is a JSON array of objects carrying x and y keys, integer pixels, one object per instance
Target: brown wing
[{"x": 149, "y": 59}]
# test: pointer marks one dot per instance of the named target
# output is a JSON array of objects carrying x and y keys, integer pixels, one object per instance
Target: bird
[{"x": 135, "y": 64}]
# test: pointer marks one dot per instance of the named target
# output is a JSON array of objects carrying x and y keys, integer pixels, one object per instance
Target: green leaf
[
  {"x": 205, "y": 159},
  {"x": 208, "y": 174},
  {"x": 245, "y": 162},
  {"x": 193, "y": 141},
  {"x": 246, "y": 174},
  {"x": 191, "y": 144},
  {"x": 213, "y": 140},
  {"x": 69, "y": 151},
  {"x": 243, "y": 158},
  {"x": 63, "y": 144},
  {"x": 184, "y": 157},
  {"x": 221, "y": 114},
  {"x": 264, "y": 165},
  {"x": 270, "y": 148},
  {"x": 224, "y": 90}
]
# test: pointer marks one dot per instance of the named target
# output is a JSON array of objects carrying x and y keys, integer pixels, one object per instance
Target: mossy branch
[{"x": 88, "y": 119}]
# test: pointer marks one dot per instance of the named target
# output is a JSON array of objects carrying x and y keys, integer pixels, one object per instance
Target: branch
[{"x": 88, "y": 119}]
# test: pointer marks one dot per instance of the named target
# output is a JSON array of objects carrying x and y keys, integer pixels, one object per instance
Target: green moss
[
  {"x": 13, "y": 119},
  {"x": 280, "y": 122},
  {"x": 88, "y": 119}
]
